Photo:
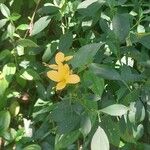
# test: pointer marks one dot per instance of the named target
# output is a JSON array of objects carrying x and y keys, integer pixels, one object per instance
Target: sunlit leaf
[
  {"x": 40, "y": 25},
  {"x": 5, "y": 10},
  {"x": 100, "y": 140},
  {"x": 115, "y": 110}
]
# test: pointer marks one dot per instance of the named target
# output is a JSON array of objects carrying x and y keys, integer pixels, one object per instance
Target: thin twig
[{"x": 32, "y": 20}]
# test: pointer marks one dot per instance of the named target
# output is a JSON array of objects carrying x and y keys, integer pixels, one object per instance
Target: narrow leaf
[
  {"x": 26, "y": 43},
  {"x": 115, "y": 110},
  {"x": 5, "y": 10}
]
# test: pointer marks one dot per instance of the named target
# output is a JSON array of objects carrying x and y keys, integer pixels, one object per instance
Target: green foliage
[
  {"x": 100, "y": 140},
  {"x": 115, "y": 110},
  {"x": 109, "y": 108},
  {"x": 4, "y": 121}
]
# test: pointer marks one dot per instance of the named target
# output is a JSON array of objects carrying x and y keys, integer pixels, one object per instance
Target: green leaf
[
  {"x": 86, "y": 4},
  {"x": 96, "y": 84},
  {"x": 32, "y": 147},
  {"x": 112, "y": 130},
  {"x": 4, "y": 120},
  {"x": 65, "y": 117},
  {"x": 48, "y": 9},
  {"x": 5, "y": 10},
  {"x": 121, "y": 26},
  {"x": 2, "y": 22},
  {"x": 29, "y": 74},
  {"x": 41, "y": 91},
  {"x": 137, "y": 112},
  {"x": 105, "y": 71},
  {"x": 86, "y": 125},
  {"x": 10, "y": 30},
  {"x": 115, "y": 110},
  {"x": 40, "y": 25},
  {"x": 89, "y": 7},
  {"x": 65, "y": 41},
  {"x": 142, "y": 146},
  {"x": 128, "y": 76},
  {"x": 113, "y": 3},
  {"x": 85, "y": 55},
  {"x": 138, "y": 131},
  {"x": 4, "y": 54},
  {"x": 131, "y": 97},
  {"x": 100, "y": 140},
  {"x": 144, "y": 40},
  {"x": 67, "y": 139},
  {"x": 126, "y": 130},
  {"x": 23, "y": 27},
  {"x": 9, "y": 69},
  {"x": 14, "y": 16},
  {"x": 3, "y": 86},
  {"x": 140, "y": 29},
  {"x": 50, "y": 50},
  {"x": 26, "y": 43},
  {"x": 20, "y": 50}
]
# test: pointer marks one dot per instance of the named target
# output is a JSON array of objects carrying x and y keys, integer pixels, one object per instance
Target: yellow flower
[
  {"x": 63, "y": 75},
  {"x": 60, "y": 58}
]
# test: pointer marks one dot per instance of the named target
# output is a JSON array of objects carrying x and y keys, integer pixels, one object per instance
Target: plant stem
[{"x": 32, "y": 20}]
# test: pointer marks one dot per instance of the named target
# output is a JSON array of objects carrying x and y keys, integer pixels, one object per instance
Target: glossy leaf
[
  {"x": 5, "y": 10},
  {"x": 115, "y": 110},
  {"x": 137, "y": 112},
  {"x": 29, "y": 74},
  {"x": 40, "y": 25},
  {"x": 99, "y": 140},
  {"x": 23, "y": 27},
  {"x": 85, "y": 55},
  {"x": 26, "y": 43}
]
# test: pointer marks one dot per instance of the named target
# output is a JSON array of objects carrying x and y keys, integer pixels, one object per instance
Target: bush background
[{"x": 109, "y": 108}]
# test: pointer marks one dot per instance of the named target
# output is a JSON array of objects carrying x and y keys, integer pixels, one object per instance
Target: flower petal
[
  {"x": 67, "y": 58},
  {"x": 53, "y": 66},
  {"x": 60, "y": 57},
  {"x": 73, "y": 79},
  {"x": 54, "y": 75},
  {"x": 66, "y": 68},
  {"x": 60, "y": 85},
  {"x": 63, "y": 70}
]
